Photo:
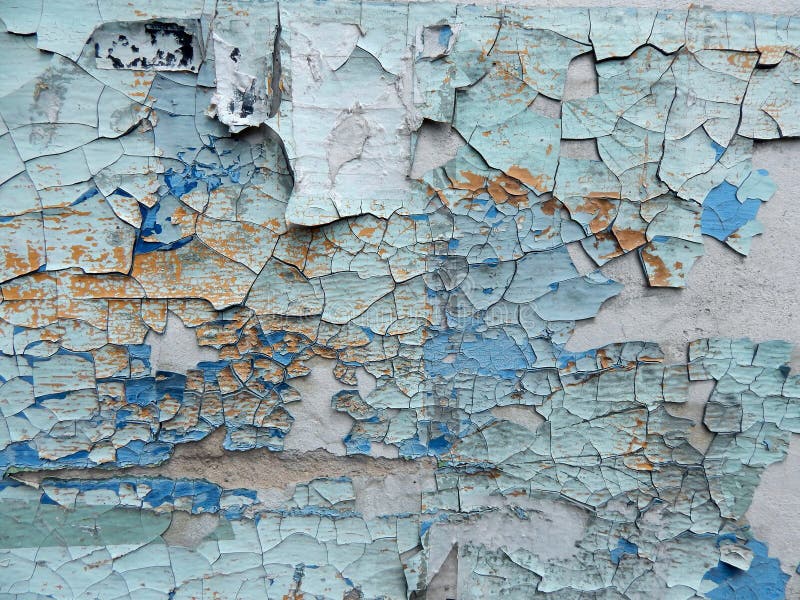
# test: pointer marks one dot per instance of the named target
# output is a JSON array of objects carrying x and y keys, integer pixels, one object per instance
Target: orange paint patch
[
  {"x": 658, "y": 275},
  {"x": 541, "y": 183},
  {"x": 629, "y": 239},
  {"x": 602, "y": 209}
]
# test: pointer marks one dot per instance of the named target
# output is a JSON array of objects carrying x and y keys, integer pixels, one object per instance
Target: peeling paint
[{"x": 213, "y": 213}]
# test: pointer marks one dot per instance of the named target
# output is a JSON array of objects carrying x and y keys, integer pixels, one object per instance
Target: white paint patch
[
  {"x": 392, "y": 494},
  {"x": 316, "y": 424},
  {"x": 521, "y": 415},
  {"x": 437, "y": 144},
  {"x": 176, "y": 350}
]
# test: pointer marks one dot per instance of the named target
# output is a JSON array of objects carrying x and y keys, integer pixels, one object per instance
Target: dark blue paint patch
[
  {"x": 723, "y": 214},
  {"x": 25, "y": 457},
  {"x": 149, "y": 390},
  {"x": 161, "y": 491},
  {"x": 85, "y": 196},
  {"x": 150, "y": 227},
  {"x": 211, "y": 369},
  {"x": 121, "y": 192},
  {"x": 624, "y": 548},
  {"x": 764, "y": 580},
  {"x": 249, "y": 494},
  {"x": 268, "y": 338},
  {"x": 357, "y": 445},
  {"x": 140, "y": 391},
  {"x": 439, "y": 445},
  {"x": 121, "y": 418},
  {"x": 19, "y": 454},
  {"x": 45, "y": 499},
  {"x": 445, "y": 33},
  {"x": 141, "y": 353},
  {"x": 718, "y": 150},
  {"x": 139, "y": 453},
  {"x": 180, "y": 184}
]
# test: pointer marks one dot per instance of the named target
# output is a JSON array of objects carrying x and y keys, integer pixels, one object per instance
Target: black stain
[{"x": 157, "y": 56}]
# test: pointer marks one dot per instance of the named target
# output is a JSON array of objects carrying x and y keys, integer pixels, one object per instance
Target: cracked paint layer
[{"x": 245, "y": 168}]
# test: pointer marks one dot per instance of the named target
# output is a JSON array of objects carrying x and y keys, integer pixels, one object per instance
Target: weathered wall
[{"x": 726, "y": 296}]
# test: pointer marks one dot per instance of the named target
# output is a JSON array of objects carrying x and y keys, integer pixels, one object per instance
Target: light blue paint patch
[
  {"x": 357, "y": 445},
  {"x": 473, "y": 351},
  {"x": 412, "y": 448}
]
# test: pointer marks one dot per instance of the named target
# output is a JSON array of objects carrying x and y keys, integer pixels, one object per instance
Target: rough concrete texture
[
  {"x": 260, "y": 469},
  {"x": 318, "y": 425},
  {"x": 491, "y": 529},
  {"x": 189, "y": 530}
]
